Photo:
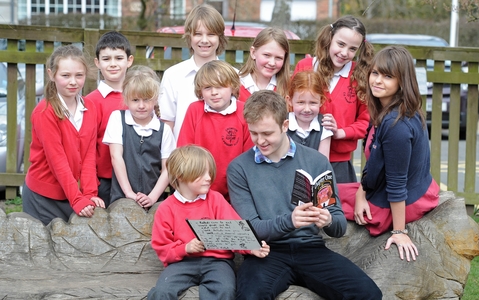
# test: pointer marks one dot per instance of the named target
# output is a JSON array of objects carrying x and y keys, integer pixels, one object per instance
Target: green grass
[
  {"x": 471, "y": 290},
  {"x": 13, "y": 205}
]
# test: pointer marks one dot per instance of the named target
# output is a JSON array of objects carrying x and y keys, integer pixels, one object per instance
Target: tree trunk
[{"x": 281, "y": 13}]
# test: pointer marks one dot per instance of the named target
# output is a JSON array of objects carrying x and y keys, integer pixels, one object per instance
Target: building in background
[{"x": 13, "y": 11}]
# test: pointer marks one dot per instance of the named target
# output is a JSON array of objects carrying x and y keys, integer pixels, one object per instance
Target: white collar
[
  {"x": 248, "y": 82},
  {"x": 293, "y": 124},
  {"x": 184, "y": 200},
  {"x": 227, "y": 111},
  {"x": 344, "y": 72},
  {"x": 80, "y": 106},
  {"x": 105, "y": 89},
  {"x": 154, "y": 124}
]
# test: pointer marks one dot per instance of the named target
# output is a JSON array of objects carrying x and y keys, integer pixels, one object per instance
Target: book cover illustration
[
  {"x": 319, "y": 190},
  {"x": 225, "y": 234}
]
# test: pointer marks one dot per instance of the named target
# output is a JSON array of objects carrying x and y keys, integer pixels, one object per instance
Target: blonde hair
[
  {"x": 266, "y": 36},
  {"x": 308, "y": 81},
  {"x": 263, "y": 103},
  {"x": 217, "y": 73},
  {"x": 188, "y": 163},
  {"x": 51, "y": 92},
  {"x": 211, "y": 19},
  {"x": 141, "y": 82},
  {"x": 364, "y": 54}
]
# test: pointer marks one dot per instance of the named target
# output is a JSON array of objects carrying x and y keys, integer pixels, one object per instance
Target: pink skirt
[{"x": 382, "y": 217}]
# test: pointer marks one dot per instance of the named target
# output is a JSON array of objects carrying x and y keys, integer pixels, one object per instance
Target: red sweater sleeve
[
  {"x": 187, "y": 131},
  {"x": 88, "y": 179},
  {"x": 304, "y": 65},
  {"x": 357, "y": 130}
]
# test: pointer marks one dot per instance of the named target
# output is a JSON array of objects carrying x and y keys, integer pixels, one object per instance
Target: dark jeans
[
  {"x": 215, "y": 278},
  {"x": 328, "y": 274},
  {"x": 104, "y": 190}
]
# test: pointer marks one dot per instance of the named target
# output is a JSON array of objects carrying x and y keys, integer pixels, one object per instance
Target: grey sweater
[{"x": 261, "y": 193}]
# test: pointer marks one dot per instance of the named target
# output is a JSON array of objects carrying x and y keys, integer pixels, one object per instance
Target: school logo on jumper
[
  {"x": 350, "y": 95},
  {"x": 231, "y": 137}
]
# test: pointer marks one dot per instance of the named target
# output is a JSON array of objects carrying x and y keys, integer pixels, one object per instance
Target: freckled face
[{"x": 305, "y": 107}]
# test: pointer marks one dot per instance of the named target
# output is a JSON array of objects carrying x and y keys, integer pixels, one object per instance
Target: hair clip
[{"x": 331, "y": 26}]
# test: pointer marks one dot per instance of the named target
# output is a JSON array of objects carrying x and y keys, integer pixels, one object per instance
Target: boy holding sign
[{"x": 191, "y": 170}]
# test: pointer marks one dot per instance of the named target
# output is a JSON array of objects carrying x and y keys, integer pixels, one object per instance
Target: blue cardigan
[{"x": 398, "y": 167}]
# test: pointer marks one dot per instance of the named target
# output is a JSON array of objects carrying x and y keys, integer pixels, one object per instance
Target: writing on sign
[{"x": 225, "y": 234}]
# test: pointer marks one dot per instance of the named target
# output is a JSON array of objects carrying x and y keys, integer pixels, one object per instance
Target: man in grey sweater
[{"x": 260, "y": 183}]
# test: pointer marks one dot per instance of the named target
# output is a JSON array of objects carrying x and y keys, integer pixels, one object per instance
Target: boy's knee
[{"x": 161, "y": 292}]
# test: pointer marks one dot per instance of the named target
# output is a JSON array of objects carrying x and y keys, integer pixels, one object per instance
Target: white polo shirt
[{"x": 177, "y": 92}]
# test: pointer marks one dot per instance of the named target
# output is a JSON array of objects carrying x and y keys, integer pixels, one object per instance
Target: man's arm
[{"x": 242, "y": 200}]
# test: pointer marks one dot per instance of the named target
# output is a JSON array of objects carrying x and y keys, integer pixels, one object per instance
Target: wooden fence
[{"x": 22, "y": 47}]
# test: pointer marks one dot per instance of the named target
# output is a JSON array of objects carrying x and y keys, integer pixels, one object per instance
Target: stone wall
[{"x": 109, "y": 255}]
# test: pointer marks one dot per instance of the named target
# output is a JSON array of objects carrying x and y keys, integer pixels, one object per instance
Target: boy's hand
[
  {"x": 263, "y": 252},
  {"x": 195, "y": 246},
  {"x": 143, "y": 200},
  {"x": 303, "y": 215}
]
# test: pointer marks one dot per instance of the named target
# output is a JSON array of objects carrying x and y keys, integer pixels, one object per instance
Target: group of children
[{"x": 133, "y": 137}]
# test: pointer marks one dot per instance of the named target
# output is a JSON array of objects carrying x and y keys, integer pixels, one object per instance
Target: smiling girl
[
  {"x": 267, "y": 67},
  {"x": 345, "y": 111},
  {"x": 139, "y": 142},
  {"x": 305, "y": 98},
  {"x": 62, "y": 176},
  {"x": 396, "y": 187}
]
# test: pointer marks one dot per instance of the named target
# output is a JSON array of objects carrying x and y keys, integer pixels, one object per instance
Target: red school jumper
[
  {"x": 104, "y": 106},
  {"x": 62, "y": 158},
  {"x": 225, "y": 136}
]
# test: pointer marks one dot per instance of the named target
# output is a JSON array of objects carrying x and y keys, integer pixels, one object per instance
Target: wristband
[{"x": 404, "y": 231}]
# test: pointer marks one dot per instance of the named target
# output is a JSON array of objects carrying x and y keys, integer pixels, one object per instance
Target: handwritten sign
[{"x": 225, "y": 234}]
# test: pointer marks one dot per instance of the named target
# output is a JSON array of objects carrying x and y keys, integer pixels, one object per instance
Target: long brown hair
[
  {"x": 397, "y": 62},
  {"x": 264, "y": 37},
  {"x": 364, "y": 54},
  {"x": 51, "y": 92}
]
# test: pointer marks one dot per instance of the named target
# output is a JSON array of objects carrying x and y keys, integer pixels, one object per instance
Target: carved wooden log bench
[{"x": 109, "y": 256}]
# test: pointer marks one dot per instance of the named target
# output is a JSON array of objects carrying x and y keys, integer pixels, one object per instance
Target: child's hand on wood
[
  {"x": 263, "y": 252},
  {"x": 98, "y": 202},
  {"x": 143, "y": 200},
  {"x": 195, "y": 246},
  {"x": 87, "y": 211}
]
